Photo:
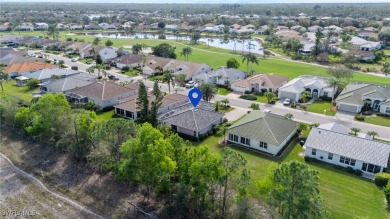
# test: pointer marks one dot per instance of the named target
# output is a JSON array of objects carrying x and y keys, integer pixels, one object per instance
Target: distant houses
[
  {"x": 259, "y": 82},
  {"x": 221, "y": 76}
]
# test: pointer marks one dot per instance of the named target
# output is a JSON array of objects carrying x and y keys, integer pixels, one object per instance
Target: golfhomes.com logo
[{"x": 16, "y": 213}]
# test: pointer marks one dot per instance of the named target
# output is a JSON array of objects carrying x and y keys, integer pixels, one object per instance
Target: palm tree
[
  {"x": 246, "y": 58},
  {"x": 334, "y": 83},
  {"x": 270, "y": 96},
  {"x": 53, "y": 32},
  {"x": 208, "y": 91},
  {"x": 3, "y": 76},
  {"x": 91, "y": 70},
  {"x": 253, "y": 60},
  {"x": 355, "y": 130},
  {"x": 186, "y": 51},
  {"x": 305, "y": 96},
  {"x": 225, "y": 102},
  {"x": 301, "y": 127},
  {"x": 168, "y": 78},
  {"x": 255, "y": 106},
  {"x": 373, "y": 134},
  {"x": 180, "y": 79},
  {"x": 96, "y": 41},
  {"x": 222, "y": 130}
]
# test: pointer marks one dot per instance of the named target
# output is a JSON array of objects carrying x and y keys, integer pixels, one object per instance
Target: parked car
[
  {"x": 113, "y": 77},
  {"x": 266, "y": 111},
  {"x": 74, "y": 60},
  {"x": 287, "y": 102},
  {"x": 190, "y": 84}
]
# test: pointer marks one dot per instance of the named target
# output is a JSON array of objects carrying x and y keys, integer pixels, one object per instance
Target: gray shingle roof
[
  {"x": 192, "y": 118},
  {"x": 349, "y": 146},
  {"x": 47, "y": 73},
  {"x": 357, "y": 93},
  {"x": 270, "y": 128},
  {"x": 69, "y": 83}
]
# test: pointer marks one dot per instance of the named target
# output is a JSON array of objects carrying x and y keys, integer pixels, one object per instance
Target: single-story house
[
  {"x": 192, "y": 121},
  {"x": 270, "y": 82},
  {"x": 127, "y": 107},
  {"x": 365, "y": 55},
  {"x": 317, "y": 86},
  {"x": 220, "y": 76},
  {"x": 365, "y": 45},
  {"x": 131, "y": 60},
  {"x": 45, "y": 75},
  {"x": 69, "y": 83},
  {"x": 27, "y": 67},
  {"x": 155, "y": 65},
  {"x": 103, "y": 93},
  {"x": 108, "y": 54},
  {"x": 342, "y": 149},
  {"x": 356, "y": 95},
  {"x": 265, "y": 132}
]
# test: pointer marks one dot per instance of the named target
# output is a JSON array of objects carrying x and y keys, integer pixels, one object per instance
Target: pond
[{"x": 219, "y": 42}]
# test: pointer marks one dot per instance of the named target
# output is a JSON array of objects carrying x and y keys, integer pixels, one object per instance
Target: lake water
[{"x": 211, "y": 41}]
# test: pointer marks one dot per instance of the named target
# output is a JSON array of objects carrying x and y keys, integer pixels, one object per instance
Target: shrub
[
  {"x": 386, "y": 190},
  {"x": 350, "y": 170},
  {"x": 258, "y": 93},
  {"x": 382, "y": 114},
  {"x": 263, "y": 90},
  {"x": 247, "y": 92},
  {"x": 360, "y": 117},
  {"x": 99, "y": 77},
  {"x": 381, "y": 179},
  {"x": 74, "y": 68},
  {"x": 48, "y": 61},
  {"x": 307, "y": 159},
  {"x": 248, "y": 97},
  {"x": 225, "y": 120},
  {"x": 358, "y": 172},
  {"x": 293, "y": 105},
  {"x": 326, "y": 98},
  {"x": 33, "y": 83},
  {"x": 126, "y": 69}
]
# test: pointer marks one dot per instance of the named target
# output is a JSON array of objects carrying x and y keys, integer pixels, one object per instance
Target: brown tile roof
[
  {"x": 130, "y": 59},
  {"x": 20, "y": 59},
  {"x": 28, "y": 66},
  {"x": 102, "y": 90},
  {"x": 130, "y": 103},
  {"x": 268, "y": 80}
]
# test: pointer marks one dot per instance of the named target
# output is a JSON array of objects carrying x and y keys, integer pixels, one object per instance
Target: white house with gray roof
[
  {"x": 220, "y": 76},
  {"x": 108, "y": 54},
  {"x": 316, "y": 86},
  {"x": 192, "y": 121},
  {"x": 356, "y": 95},
  {"x": 69, "y": 83},
  {"x": 44, "y": 75},
  {"x": 265, "y": 132},
  {"x": 365, "y": 45},
  {"x": 340, "y": 148}
]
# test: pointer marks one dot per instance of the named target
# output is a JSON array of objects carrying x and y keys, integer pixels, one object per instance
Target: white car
[
  {"x": 190, "y": 84},
  {"x": 266, "y": 111},
  {"x": 74, "y": 60},
  {"x": 287, "y": 102}
]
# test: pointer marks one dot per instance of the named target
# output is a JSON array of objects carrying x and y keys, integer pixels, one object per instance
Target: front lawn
[
  {"x": 24, "y": 92},
  {"x": 378, "y": 120},
  {"x": 318, "y": 106},
  {"x": 90, "y": 60},
  {"x": 262, "y": 99},
  {"x": 223, "y": 91},
  {"x": 130, "y": 72},
  {"x": 225, "y": 110},
  {"x": 154, "y": 78}
]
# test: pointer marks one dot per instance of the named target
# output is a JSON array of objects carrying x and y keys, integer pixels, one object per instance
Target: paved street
[{"x": 242, "y": 105}]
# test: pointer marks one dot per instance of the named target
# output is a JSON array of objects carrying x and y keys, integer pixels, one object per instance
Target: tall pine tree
[
  {"x": 142, "y": 103},
  {"x": 156, "y": 104}
]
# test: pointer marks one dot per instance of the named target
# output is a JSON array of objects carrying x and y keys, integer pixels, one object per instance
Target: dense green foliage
[
  {"x": 164, "y": 50},
  {"x": 381, "y": 179}
]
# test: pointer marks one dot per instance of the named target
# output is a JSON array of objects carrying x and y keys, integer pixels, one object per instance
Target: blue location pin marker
[{"x": 195, "y": 95}]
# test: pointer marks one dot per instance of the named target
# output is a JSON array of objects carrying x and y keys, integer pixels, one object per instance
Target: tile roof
[
  {"x": 130, "y": 103},
  {"x": 130, "y": 59},
  {"x": 268, "y": 80},
  {"x": 28, "y": 66},
  {"x": 349, "y": 146},
  {"x": 268, "y": 127},
  {"x": 356, "y": 93},
  {"x": 192, "y": 118},
  {"x": 297, "y": 85},
  {"x": 102, "y": 90}
]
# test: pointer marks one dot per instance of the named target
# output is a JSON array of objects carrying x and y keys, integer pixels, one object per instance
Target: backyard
[
  {"x": 345, "y": 195},
  {"x": 24, "y": 93}
]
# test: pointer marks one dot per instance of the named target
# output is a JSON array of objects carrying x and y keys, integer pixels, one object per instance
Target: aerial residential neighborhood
[{"x": 199, "y": 110}]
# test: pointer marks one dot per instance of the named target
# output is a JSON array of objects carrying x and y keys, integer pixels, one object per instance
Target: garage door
[
  {"x": 287, "y": 95},
  {"x": 348, "y": 108}
]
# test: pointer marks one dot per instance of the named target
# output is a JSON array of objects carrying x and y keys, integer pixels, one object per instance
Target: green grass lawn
[
  {"x": 378, "y": 120},
  {"x": 130, "y": 73},
  {"x": 87, "y": 60},
  {"x": 262, "y": 99},
  {"x": 104, "y": 116},
  {"x": 318, "y": 106},
  {"x": 24, "y": 93},
  {"x": 223, "y": 91},
  {"x": 217, "y": 57},
  {"x": 154, "y": 78},
  {"x": 223, "y": 110},
  {"x": 345, "y": 195}
]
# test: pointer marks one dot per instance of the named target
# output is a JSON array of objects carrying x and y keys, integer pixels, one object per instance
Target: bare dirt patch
[{"x": 101, "y": 193}]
